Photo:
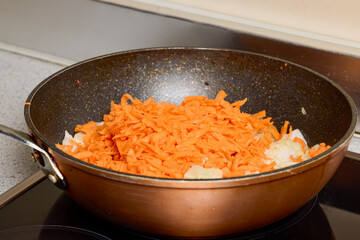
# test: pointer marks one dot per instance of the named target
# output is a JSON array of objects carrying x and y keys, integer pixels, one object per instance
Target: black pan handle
[{"x": 46, "y": 162}]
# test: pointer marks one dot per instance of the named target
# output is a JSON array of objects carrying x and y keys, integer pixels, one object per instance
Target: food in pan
[{"x": 200, "y": 138}]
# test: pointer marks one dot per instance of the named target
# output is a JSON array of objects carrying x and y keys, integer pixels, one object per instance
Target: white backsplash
[{"x": 326, "y": 24}]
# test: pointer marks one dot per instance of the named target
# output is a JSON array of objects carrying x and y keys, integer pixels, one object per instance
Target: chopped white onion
[{"x": 198, "y": 172}]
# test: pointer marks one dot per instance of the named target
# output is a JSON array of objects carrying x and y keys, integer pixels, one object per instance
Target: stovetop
[
  {"x": 36, "y": 209},
  {"x": 39, "y": 210}
]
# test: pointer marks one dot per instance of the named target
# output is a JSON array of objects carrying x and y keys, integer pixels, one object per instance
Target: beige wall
[
  {"x": 328, "y": 24},
  {"x": 333, "y": 18}
]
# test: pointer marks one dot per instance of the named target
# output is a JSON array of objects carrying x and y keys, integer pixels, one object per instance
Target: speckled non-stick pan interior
[{"x": 286, "y": 91}]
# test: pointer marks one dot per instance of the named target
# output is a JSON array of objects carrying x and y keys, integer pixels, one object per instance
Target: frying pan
[{"x": 205, "y": 208}]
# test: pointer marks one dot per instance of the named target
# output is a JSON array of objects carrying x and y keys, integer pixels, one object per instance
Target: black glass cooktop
[{"x": 45, "y": 212}]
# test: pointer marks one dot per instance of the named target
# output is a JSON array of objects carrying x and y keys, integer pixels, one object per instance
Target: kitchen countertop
[
  {"x": 100, "y": 28},
  {"x": 18, "y": 76}
]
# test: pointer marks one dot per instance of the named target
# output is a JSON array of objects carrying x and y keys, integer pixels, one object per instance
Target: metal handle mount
[{"x": 44, "y": 159}]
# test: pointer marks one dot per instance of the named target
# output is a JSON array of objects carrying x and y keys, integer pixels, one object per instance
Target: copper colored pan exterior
[{"x": 193, "y": 208}]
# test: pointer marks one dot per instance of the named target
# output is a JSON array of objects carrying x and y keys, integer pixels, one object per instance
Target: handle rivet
[
  {"x": 52, "y": 178},
  {"x": 34, "y": 157}
]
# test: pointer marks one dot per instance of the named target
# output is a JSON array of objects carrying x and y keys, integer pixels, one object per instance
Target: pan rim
[{"x": 293, "y": 169}]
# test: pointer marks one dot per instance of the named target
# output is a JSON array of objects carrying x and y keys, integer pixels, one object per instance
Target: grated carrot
[
  {"x": 299, "y": 140},
  {"x": 320, "y": 149},
  {"x": 164, "y": 140}
]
